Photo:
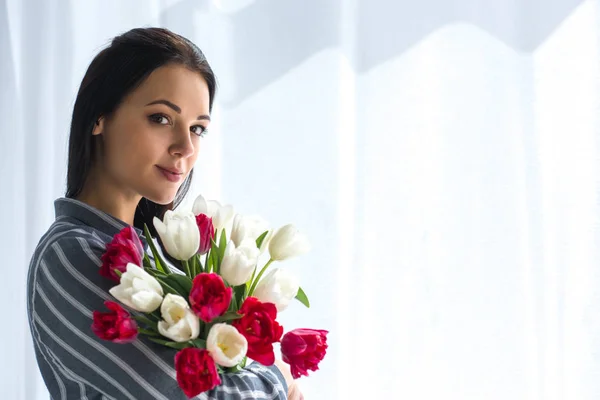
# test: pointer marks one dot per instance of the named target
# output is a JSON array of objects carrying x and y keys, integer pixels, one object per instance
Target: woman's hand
[
  {"x": 293, "y": 389},
  {"x": 294, "y": 392}
]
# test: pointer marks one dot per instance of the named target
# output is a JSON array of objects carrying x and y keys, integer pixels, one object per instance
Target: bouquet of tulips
[{"x": 218, "y": 308}]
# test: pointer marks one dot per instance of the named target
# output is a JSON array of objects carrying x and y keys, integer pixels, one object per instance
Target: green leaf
[
  {"x": 205, "y": 328},
  {"x": 155, "y": 273},
  {"x": 239, "y": 292},
  {"x": 146, "y": 321},
  {"x": 199, "y": 343},
  {"x": 214, "y": 255},
  {"x": 216, "y": 262},
  {"x": 261, "y": 238},
  {"x": 148, "y": 332},
  {"x": 182, "y": 281},
  {"x": 170, "y": 289},
  {"x": 302, "y": 298},
  {"x": 233, "y": 306},
  {"x": 119, "y": 273},
  {"x": 209, "y": 262},
  {"x": 174, "y": 345},
  {"x": 157, "y": 260},
  {"x": 222, "y": 245},
  {"x": 228, "y": 316},
  {"x": 168, "y": 279},
  {"x": 234, "y": 369},
  {"x": 147, "y": 263}
]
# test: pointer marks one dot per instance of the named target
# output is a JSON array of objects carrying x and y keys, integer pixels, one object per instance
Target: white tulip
[
  {"x": 250, "y": 227},
  {"x": 226, "y": 345},
  {"x": 288, "y": 242},
  {"x": 179, "y": 321},
  {"x": 278, "y": 287},
  {"x": 138, "y": 290},
  {"x": 221, "y": 215},
  {"x": 239, "y": 262},
  {"x": 179, "y": 234}
]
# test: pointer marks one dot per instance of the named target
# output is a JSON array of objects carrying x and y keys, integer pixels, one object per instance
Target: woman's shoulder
[
  {"x": 68, "y": 255},
  {"x": 70, "y": 237}
]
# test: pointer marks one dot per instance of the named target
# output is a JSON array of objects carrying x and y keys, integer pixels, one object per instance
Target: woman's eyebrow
[{"x": 175, "y": 107}]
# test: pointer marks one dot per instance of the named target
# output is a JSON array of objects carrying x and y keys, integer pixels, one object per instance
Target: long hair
[{"x": 113, "y": 74}]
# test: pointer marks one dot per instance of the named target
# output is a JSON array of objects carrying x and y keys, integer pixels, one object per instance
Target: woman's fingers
[{"x": 294, "y": 392}]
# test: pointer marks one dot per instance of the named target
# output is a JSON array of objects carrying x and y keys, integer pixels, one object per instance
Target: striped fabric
[{"x": 64, "y": 288}]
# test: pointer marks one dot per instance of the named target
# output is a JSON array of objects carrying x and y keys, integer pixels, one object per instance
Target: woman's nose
[{"x": 182, "y": 145}]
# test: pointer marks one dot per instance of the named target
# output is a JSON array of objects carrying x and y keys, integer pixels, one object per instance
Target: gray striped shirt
[{"x": 64, "y": 288}]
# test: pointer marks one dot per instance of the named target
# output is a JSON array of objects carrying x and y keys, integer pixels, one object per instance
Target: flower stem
[
  {"x": 199, "y": 266},
  {"x": 143, "y": 319},
  {"x": 148, "y": 332},
  {"x": 195, "y": 269},
  {"x": 260, "y": 274},
  {"x": 186, "y": 268}
]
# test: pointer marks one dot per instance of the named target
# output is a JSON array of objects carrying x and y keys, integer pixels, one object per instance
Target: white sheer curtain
[{"x": 442, "y": 156}]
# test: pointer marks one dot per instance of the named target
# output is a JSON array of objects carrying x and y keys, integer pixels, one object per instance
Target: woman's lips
[{"x": 171, "y": 176}]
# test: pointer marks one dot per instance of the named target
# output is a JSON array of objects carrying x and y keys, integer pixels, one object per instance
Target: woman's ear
[{"x": 98, "y": 126}]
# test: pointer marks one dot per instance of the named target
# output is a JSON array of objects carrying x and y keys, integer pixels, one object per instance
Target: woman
[{"x": 143, "y": 106}]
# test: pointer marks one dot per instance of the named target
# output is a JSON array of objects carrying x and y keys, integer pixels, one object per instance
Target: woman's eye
[
  {"x": 159, "y": 119},
  {"x": 199, "y": 130}
]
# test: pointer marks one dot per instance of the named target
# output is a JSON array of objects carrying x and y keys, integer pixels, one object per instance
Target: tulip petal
[
  {"x": 279, "y": 287},
  {"x": 179, "y": 322},
  {"x": 146, "y": 301},
  {"x": 226, "y": 345},
  {"x": 287, "y": 242},
  {"x": 138, "y": 290},
  {"x": 200, "y": 206},
  {"x": 120, "y": 293}
]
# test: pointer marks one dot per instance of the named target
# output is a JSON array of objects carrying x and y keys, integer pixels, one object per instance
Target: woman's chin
[{"x": 162, "y": 198}]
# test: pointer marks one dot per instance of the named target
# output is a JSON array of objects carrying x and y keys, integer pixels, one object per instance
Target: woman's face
[{"x": 151, "y": 142}]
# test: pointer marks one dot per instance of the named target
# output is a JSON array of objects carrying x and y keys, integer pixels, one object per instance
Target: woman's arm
[
  {"x": 293, "y": 391},
  {"x": 75, "y": 363}
]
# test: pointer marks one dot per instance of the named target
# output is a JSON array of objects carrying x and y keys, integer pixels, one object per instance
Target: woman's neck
[{"x": 108, "y": 197}]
